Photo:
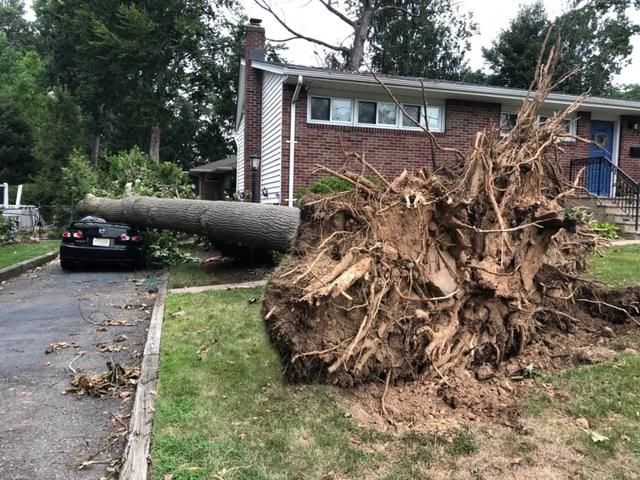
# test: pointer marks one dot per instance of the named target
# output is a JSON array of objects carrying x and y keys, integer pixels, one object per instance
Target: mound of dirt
[{"x": 459, "y": 269}]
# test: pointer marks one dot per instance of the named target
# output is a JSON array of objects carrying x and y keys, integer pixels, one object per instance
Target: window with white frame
[
  {"x": 327, "y": 109},
  {"x": 374, "y": 113},
  {"x": 508, "y": 121}
]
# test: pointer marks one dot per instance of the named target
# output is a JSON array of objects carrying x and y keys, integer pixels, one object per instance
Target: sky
[{"x": 311, "y": 18}]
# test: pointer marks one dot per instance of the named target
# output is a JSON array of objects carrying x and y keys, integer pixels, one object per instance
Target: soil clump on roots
[{"x": 449, "y": 276}]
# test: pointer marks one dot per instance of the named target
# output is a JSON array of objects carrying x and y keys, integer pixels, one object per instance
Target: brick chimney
[
  {"x": 254, "y": 41},
  {"x": 253, "y": 51}
]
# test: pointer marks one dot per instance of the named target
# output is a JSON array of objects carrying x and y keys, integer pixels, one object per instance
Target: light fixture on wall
[
  {"x": 255, "y": 166},
  {"x": 255, "y": 161},
  {"x": 265, "y": 192}
]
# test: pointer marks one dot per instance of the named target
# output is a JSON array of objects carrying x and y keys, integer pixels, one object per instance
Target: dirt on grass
[{"x": 459, "y": 396}]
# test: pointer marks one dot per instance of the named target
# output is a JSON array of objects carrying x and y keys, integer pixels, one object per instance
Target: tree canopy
[{"x": 596, "y": 42}]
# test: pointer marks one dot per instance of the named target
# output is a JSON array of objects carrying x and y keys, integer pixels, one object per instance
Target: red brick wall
[
  {"x": 255, "y": 41},
  {"x": 391, "y": 151},
  {"x": 629, "y": 138}
]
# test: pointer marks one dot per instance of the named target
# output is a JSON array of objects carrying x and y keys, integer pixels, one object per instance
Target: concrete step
[{"x": 606, "y": 210}]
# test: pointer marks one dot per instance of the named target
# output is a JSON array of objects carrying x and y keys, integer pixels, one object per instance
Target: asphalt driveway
[{"x": 44, "y": 433}]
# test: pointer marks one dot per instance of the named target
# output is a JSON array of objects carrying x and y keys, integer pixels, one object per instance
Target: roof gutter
[{"x": 292, "y": 138}]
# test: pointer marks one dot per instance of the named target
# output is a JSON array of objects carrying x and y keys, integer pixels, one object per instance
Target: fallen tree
[
  {"x": 416, "y": 276},
  {"x": 263, "y": 226}
]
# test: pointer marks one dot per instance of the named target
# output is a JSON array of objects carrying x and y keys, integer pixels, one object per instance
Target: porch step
[{"x": 606, "y": 210}]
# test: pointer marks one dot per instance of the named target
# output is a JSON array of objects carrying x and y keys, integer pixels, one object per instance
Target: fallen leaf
[{"x": 598, "y": 437}]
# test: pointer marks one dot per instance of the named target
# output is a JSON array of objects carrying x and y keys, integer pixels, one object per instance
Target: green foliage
[
  {"x": 16, "y": 143},
  {"x": 424, "y": 38},
  {"x": 6, "y": 229},
  {"x": 324, "y": 186},
  {"x": 78, "y": 179},
  {"x": 595, "y": 35},
  {"x": 164, "y": 250},
  {"x": 513, "y": 55},
  {"x": 14, "y": 26},
  {"x": 145, "y": 176},
  {"x": 605, "y": 230}
]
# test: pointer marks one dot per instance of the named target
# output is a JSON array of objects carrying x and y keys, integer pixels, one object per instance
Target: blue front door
[{"x": 598, "y": 172}]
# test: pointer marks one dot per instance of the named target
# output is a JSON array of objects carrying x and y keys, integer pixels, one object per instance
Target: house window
[
  {"x": 569, "y": 125},
  {"x": 434, "y": 119},
  {"x": 320, "y": 108},
  {"x": 413, "y": 112},
  {"x": 507, "y": 121},
  {"x": 331, "y": 109},
  {"x": 341, "y": 110},
  {"x": 372, "y": 113},
  {"x": 387, "y": 113},
  {"x": 367, "y": 112}
]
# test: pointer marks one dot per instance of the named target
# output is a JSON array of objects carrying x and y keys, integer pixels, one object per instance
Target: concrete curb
[
  {"x": 622, "y": 242},
  {"x": 19, "y": 268},
  {"x": 136, "y": 455},
  {"x": 224, "y": 286}
]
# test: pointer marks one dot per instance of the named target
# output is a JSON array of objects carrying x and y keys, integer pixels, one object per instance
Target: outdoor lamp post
[{"x": 255, "y": 165}]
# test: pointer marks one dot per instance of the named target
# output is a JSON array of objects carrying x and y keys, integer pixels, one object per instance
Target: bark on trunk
[
  {"x": 154, "y": 143},
  {"x": 264, "y": 226},
  {"x": 95, "y": 148},
  {"x": 361, "y": 30}
]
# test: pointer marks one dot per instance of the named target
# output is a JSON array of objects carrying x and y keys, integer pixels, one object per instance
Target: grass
[
  {"x": 12, "y": 254},
  {"x": 223, "y": 410},
  {"x": 190, "y": 275},
  {"x": 607, "y": 395},
  {"x": 619, "y": 266}
]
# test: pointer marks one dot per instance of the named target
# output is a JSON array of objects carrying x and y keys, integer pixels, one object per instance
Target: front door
[{"x": 599, "y": 171}]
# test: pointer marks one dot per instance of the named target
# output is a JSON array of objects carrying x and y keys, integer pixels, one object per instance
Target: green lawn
[
  {"x": 12, "y": 254},
  {"x": 619, "y": 266},
  {"x": 223, "y": 410}
]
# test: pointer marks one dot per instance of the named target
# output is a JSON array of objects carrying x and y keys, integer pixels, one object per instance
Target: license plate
[{"x": 100, "y": 242}]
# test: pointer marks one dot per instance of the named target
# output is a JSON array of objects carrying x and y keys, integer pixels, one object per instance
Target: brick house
[{"x": 324, "y": 109}]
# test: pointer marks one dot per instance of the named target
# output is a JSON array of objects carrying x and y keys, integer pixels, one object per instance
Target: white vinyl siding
[
  {"x": 240, "y": 158},
  {"x": 271, "y": 151}
]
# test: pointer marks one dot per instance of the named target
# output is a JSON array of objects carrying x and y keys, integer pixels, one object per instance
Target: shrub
[
  {"x": 324, "y": 186},
  {"x": 605, "y": 230},
  {"x": 163, "y": 250}
]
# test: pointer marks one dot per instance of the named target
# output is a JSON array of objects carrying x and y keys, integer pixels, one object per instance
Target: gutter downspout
[{"x": 292, "y": 138}]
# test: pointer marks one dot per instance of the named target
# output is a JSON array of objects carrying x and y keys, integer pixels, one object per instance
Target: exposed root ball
[{"x": 427, "y": 272}]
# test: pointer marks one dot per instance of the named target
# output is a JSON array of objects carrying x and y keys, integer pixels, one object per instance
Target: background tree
[
  {"x": 596, "y": 37},
  {"x": 16, "y": 143},
  {"x": 427, "y": 38},
  {"x": 17, "y": 30},
  {"x": 396, "y": 25}
]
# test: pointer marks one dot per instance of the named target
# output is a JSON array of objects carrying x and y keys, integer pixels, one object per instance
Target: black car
[{"x": 93, "y": 240}]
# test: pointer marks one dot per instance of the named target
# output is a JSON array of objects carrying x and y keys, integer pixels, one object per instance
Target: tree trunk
[
  {"x": 361, "y": 32},
  {"x": 154, "y": 143},
  {"x": 263, "y": 226},
  {"x": 95, "y": 148}
]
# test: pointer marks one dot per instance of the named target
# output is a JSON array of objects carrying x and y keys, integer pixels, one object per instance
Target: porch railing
[{"x": 604, "y": 179}]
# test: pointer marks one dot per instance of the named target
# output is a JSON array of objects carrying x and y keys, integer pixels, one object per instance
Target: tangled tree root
[{"x": 427, "y": 272}]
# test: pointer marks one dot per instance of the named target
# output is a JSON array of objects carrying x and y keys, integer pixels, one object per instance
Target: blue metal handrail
[{"x": 603, "y": 178}]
